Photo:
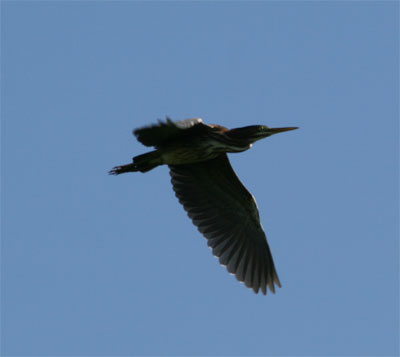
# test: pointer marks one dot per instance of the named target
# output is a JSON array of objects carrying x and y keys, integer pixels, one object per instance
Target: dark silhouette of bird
[{"x": 223, "y": 210}]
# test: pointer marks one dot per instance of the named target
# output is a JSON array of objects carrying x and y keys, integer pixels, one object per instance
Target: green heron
[{"x": 223, "y": 210}]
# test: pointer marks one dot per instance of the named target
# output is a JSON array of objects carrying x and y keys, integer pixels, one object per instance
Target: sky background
[{"x": 93, "y": 264}]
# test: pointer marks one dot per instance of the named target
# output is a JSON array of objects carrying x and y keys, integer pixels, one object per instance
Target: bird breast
[
  {"x": 198, "y": 151},
  {"x": 181, "y": 156},
  {"x": 226, "y": 146}
]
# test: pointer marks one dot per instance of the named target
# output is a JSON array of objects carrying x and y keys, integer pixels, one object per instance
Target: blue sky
[{"x": 98, "y": 265}]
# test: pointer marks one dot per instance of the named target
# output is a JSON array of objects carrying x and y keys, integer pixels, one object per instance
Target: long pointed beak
[{"x": 280, "y": 130}]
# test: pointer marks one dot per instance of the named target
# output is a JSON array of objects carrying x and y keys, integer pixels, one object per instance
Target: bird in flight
[{"x": 223, "y": 210}]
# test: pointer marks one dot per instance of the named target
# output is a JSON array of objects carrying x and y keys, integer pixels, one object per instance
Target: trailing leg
[{"x": 142, "y": 163}]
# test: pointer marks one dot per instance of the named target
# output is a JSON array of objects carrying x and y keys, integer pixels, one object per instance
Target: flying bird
[{"x": 221, "y": 207}]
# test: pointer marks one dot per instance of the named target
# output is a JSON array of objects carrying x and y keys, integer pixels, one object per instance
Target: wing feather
[
  {"x": 226, "y": 213},
  {"x": 162, "y": 133}
]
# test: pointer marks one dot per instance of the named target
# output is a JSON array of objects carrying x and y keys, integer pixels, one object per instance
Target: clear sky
[{"x": 99, "y": 265}]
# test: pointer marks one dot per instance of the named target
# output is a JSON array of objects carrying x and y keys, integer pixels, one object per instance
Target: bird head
[{"x": 253, "y": 133}]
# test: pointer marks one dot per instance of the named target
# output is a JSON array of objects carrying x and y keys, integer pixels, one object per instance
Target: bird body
[
  {"x": 199, "y": 142},
  {"x": 223, "y": 210},
  {"x": 197, "y": 149}
]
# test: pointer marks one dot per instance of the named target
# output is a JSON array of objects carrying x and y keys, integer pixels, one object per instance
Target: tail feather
[{"x": 142, "y": 163}]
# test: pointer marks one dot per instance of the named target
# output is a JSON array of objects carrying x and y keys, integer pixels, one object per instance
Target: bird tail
[{"x": 142, "y": 163}]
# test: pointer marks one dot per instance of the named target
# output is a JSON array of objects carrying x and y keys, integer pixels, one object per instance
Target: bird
[{"x": 217, "y": 202}]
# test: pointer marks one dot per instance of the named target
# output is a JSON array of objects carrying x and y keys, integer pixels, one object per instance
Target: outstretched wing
[
  {"x": 226, "y": 213},
  {"x": 160, "y": 134}
]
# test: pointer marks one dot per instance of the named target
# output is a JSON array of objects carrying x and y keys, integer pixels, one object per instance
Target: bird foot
[{"x": 122, "y": 169}]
